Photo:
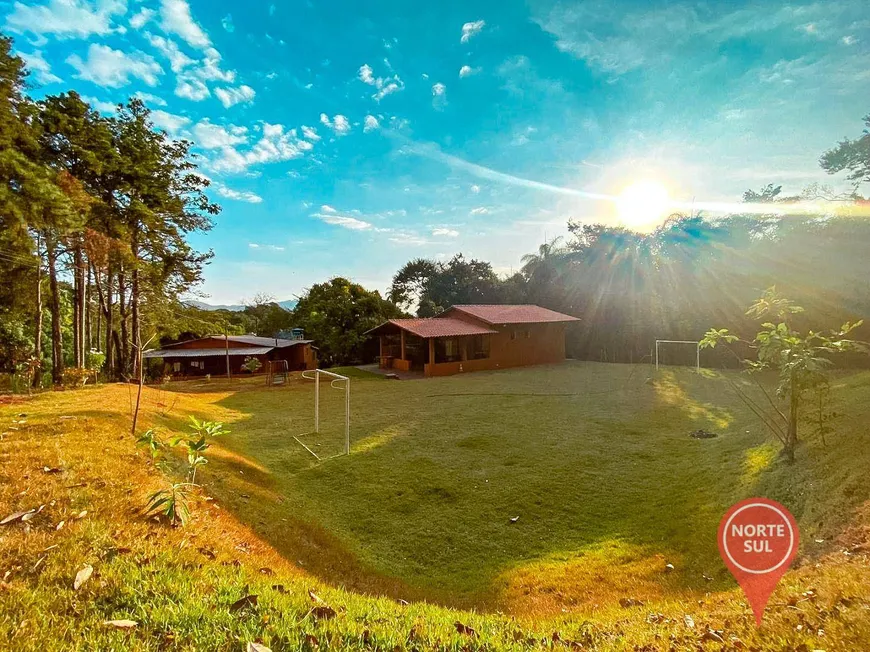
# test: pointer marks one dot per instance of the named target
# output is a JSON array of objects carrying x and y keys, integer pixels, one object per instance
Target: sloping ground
[{"x": 73, "y": 455}]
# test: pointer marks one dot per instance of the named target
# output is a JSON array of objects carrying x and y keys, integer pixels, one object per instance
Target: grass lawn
[
  {"x": 596, "y": 462},
  {"x": 594, "y": 459}
]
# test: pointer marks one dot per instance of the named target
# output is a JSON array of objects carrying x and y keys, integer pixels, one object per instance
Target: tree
[
  {"x": 851, "y": 155},
  {"x": 435, "y": 286},
  {"x": 802, "y": 362},
  {"x": 337, "y": 313}
]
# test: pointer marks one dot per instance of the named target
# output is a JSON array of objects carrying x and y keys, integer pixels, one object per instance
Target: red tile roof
[
  {"x": 511, "y": 314},
  {"x": 443, "y": 327}
]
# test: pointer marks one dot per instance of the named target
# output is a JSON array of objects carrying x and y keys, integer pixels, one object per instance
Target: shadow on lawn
[{"x": 607, "y": 489}]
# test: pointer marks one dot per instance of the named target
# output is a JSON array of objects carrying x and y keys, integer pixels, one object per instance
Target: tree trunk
[
  {"x": 37, "y": 335},
  {"x": 88, "y": 341},
  {"x": 791, "y": 438},
  {"x": 110, "y": 327},
  {"x": 56, "y": 333},
  {"x": 134, "y": 307},
  {"x": 123, "y": 318},
  {"x": 78, "y": 307}
]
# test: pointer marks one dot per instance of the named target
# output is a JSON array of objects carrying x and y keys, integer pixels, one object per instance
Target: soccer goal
[
  {"x": 697, "y": 346},
  {"x": 326, "y": 407}
]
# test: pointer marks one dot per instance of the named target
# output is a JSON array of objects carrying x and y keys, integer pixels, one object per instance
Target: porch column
[
  {"x": 381, "y": 351},
  {"x": 402, "y": 348},
  {"x": 463, "y": 348},
  {"x": 431, "y": 350}
]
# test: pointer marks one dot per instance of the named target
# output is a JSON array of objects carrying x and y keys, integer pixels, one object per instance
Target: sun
[{"x": 643, "y": 204}]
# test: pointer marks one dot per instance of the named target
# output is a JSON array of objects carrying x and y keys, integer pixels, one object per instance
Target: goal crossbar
[
  {"x": 697, "y": 351},
  {"x": 336, "y": 378}
]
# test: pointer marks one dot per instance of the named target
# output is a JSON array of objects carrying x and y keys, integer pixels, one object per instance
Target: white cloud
[
  {"x": 178, "y": 60},
  {"x": 210, "y": 70},
  {"x": 475, "y": 189},
  {"x": 439, "y": 96},
  {"x": 384, "y": 85},
  {"x": 175, "y": 18},
  {"x": 237, "y": 195},
  {"x": 339, "y": 124},
  {"x": 39, "y": 67},
  {"x": 142, "y": 18},
  {"x": 448, "y": 233},
  {"x": 232, "y": 96},
  {"x": 211, "y": 136},
  {"x": 310, "y": 133},
  {"x": 326, "y": 208},
  {"x": 467, "y": 71},
  {"x": 371, "y": 123},
  {"x": 344, "y": 221},
  {"x": 65, "y": 18},
  {"x": 848, "y": 40},
  {"x": 169, "y": 122},
  {"x": 114, "y": 68},
  {"x": 471, "y": 29},
  {"x": 191, "y": 88},
  {"x": 276, "y": 144},
  {"x": 148, "y": 98},
  {"x": 227, "y": 23},
  {"x": 480, "y": 210},
  {"x": 100, "y": 105},
  {"x": 409, "y": 239}
]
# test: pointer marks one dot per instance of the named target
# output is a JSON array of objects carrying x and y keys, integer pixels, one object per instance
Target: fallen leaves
[
  {"x": 12, "y": 518},
  {"x": 121, "y": 624},
  {"x": 257, "y": 647},
  {"x": 323, "y": 612},
  {"x": 464, "y": 629},
  {"x": 514, "y": 519},
  {"x": 630, "y": 602},
  {"x": 241, "y": 603},
  {"x": 83, "y": 576}
]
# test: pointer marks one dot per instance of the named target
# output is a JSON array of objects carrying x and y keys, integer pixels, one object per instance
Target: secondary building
[
  {"x": 473, "y": 338},
  {"x": 212, "y": 354}
]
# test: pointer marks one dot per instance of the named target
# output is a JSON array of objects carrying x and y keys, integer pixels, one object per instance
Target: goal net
[
  {"x": 678, "y": 352},
  {"x": 330, "y": 436}
]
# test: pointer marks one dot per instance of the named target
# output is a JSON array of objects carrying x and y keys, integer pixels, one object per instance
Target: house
[
  {"x": 209, "y": 355},
  {"x": 473, "y": 338}
]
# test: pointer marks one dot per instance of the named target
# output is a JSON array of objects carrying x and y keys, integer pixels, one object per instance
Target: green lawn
[{"x": 594, "y": 459}]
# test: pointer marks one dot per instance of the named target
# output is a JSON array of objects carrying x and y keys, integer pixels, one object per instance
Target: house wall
[{"x": 514, "y": 345}]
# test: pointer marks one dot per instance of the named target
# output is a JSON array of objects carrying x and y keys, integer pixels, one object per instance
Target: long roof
[
  {"x": 254, "y": 340},
  {"x": 201, "y": 353},
  {"x": 509, "y": 314},
  {"x": 443, "y": 327}
]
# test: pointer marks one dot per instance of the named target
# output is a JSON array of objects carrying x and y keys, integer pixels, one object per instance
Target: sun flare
[{"x": 643, "y": 205}]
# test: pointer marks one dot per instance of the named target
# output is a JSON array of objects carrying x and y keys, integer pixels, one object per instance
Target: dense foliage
[{"x": 94, "y": 217}]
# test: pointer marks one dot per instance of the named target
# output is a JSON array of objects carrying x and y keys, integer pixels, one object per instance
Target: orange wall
[{"x": 545, "y": 345}]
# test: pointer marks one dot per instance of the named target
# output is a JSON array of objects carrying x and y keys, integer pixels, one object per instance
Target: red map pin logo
[{"x": 758, "y": 540}]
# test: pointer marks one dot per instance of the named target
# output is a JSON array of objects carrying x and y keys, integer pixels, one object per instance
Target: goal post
[
  {"x": 336, "y": 381},
  {"x": 696, "y": 344}
]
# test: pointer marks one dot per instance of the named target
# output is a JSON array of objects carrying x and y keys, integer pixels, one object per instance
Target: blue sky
[{"x": 345, "y": 138}]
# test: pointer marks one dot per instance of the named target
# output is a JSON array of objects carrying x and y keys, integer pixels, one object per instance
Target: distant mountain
[{"x": 289, "y": 304}]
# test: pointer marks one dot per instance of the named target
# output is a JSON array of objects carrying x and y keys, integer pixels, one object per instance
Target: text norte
[{"x": 757, "y": 536}]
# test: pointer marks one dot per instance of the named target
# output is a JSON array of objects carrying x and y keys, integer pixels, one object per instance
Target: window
[
  {"x": 479, "y": 347},
  {"x": 176, "y": 367},
  {"x": 528, "y": 334},
  {"x": 513, "y": 335}
]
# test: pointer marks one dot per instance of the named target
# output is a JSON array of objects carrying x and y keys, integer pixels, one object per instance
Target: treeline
[
  {"x": 689, "y": 275},
  {"x": 94, "y": 216}
]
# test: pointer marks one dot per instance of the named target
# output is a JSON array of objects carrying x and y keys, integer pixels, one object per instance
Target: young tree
[{"x": 802, "y": 361}]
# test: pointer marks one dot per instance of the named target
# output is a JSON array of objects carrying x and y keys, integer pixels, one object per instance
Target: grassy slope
[{"x": 601, "y": 501}]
